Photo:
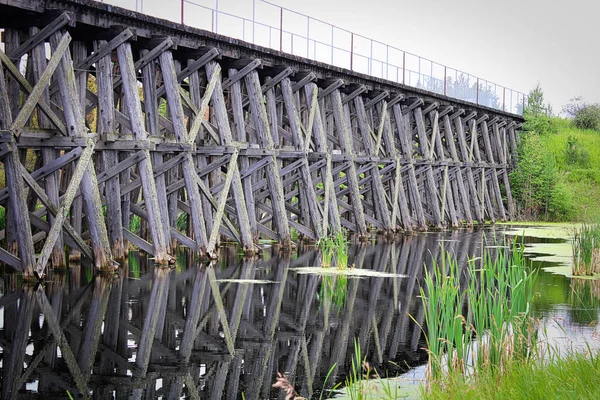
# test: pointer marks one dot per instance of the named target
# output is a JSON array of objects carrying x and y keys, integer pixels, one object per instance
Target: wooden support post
[
  {"x": 405, "y": 138},
  {"x": 331, "y": 214},
  {"x": 491, "y": 160},
  {"x": 239, "y": 125},
  {"x": 133, "y": 103},
  {"x": 458, "y": 181},
  {"x": 434, "y": 207},
  {"x": 181, "y": 135},
  {"x": 149, "y": 76},
  {"x": 17, "y": 210},
  {"x": 38, "y": 57},
  {"x": 74, "y": 117},
  {"x": 372, "y": 149},
  {"x": 106, "y": 124},
  {"x": 220, "y": 111},
  {"x": 345, "y": 136},
  {"x": 467, "y": 159},
  {"x": 299, "y": 142},
  {"x": 261, "y": 124}
]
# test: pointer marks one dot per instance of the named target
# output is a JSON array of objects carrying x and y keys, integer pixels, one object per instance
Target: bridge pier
[{"x": 242, "y": 144}]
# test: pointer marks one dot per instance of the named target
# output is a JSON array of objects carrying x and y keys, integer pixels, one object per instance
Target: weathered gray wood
[
  {"x": 383, "y": 212},
  {"x": 261, "y": 124},
  {"x": 220, "y": 114},
  {"x": 320, "y": 138},
  {"x": 106, "y": 124},
  {"x": 239, "y": 125},
  {"x": 176, "y": 111},
  {"x": 38, "y": 56},
  {"x": 61, "y": 215},
  {"x": 345, "y": 135},
  {"x": 405, "y": 139},
  {"x": 495, "y": 184},
  {"x": 18, "y": 211},
  {"x": 433, "y": 203},
  {"x": 467, "y": 160},
  {"x": 308, "y": 186},
  {"x": 74, "y": 117},
  {"x": 133, "y": 103}
]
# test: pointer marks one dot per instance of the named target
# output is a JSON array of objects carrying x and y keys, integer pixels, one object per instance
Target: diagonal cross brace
[{"x": 61, "y": 214}]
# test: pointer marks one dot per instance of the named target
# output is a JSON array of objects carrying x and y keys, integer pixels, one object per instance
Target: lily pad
[
  {"x": 258, "y": 281},
  {"x": 358, "y": 272}
]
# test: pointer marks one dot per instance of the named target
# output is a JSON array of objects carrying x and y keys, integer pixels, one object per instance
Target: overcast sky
[{"x": 514, "y": 43}]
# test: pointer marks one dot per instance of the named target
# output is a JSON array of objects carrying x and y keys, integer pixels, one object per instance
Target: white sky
[{"x": 514, "y": 43}]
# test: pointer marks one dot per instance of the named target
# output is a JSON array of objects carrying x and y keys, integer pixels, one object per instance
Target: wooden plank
[
  {"x": 39, "y": 88},
  {"x": 39, "y": 37}
]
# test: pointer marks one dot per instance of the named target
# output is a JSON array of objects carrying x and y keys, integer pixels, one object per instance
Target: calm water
[{"x": 159, "y": 333}]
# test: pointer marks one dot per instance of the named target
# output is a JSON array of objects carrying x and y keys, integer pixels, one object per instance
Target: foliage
[
  {"x": 575, "y": 154},
  {"x": 535, "y": 182},
  {"x": 498, "y": 298},
  {"x": 584, "y": 115},
  {"x": 586, "y": 250},
  {"x": 537, "y": 114},
  {"x": 579, "y": 181},
  {"x": 334, "y": 250}
]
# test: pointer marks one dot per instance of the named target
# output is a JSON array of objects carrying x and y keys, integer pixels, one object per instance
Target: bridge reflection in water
[{"x": 215, "y": 330}]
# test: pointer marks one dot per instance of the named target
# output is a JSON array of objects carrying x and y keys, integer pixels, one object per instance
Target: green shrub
[
  {"x": 584, "y": 115},
  {"x": 588, "y": 117},
  {"x": 574, "y": 154}
]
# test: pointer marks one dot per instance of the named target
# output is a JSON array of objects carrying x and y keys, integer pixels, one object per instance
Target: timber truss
[{"x": 100, "y": 128}]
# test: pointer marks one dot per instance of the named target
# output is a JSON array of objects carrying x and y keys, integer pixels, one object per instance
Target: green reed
[
  {"x": 497, "y": 299},
  {"x": 586, "y": 250}
]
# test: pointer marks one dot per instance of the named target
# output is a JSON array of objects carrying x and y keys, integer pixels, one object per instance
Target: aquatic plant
[
  {"x": 586, "y": 250},
  {"x": 498, "y": 298}
]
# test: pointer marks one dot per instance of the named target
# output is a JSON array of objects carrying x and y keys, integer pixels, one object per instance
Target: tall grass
[
  {"x": 586, "y": 250},
  {"x": 497, "y": 303}
]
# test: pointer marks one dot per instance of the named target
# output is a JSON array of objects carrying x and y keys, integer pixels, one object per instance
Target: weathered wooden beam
[
  {"x": 73, "y": 108},
  {"x": 133, "y": 106},
  {"x": 18, "y": 212}
]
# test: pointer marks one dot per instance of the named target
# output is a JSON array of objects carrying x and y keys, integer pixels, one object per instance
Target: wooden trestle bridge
[{"x": 108, "y": 115}]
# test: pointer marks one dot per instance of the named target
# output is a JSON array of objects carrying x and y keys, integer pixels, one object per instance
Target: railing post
[
  {"x": 477, "y": 93},
  {"x": 351, "y": 50},
  {"x": 308, "y": 37},
  {"x": 281, "y": 29},
  {"x": 182, "y": 15},
  {"x": 445, "y": 80},
  {"x": 503, "y": 99},
  {"x": 217, "y": 16},
  {"x": 332, "y": 45},
  {"x": 403, "y": 67},
  {"x": 254, "y": 19}
]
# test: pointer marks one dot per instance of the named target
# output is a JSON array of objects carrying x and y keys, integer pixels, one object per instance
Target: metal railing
[{"x": 266, "y": 24}]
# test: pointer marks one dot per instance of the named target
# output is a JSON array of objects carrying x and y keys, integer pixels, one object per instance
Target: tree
[{"x": 584, "y": 115}]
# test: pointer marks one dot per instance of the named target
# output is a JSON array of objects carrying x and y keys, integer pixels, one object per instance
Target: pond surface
[{"x": 218, "y": 330}]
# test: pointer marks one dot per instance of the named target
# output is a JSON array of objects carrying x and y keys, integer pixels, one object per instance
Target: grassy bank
[
  {"x": 574, "y": 377},
  {"x": 576, "y": 155}
]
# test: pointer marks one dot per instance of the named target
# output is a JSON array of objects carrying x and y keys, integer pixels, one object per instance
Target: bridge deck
[{"x": 121, "y": 128}]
